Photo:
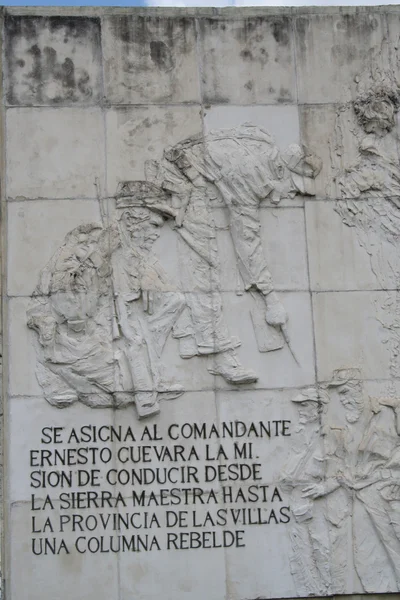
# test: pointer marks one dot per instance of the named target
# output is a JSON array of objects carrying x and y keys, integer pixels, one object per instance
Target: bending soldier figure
[{"x": 243, "y": 167}]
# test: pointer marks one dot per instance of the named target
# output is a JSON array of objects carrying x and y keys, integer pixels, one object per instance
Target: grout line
[
  {"x": 219, "y": 390},
  {"x": 281, "y": 290},
  {"x": 103, "y": 104},
  {"x": 297, "y": 203}
]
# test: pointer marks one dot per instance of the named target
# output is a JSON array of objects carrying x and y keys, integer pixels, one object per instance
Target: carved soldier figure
[
  {"x": 377, "y": 172},
  {"x": 70, "y": 313},
  {"x": 310, "y": 560},
  {"x": 147, "y": 305},
  {"x": 202, "y": 330},
  {"x": 242, "y": 167},
  {"x": 362, "y": 458},
  {"x": 103, "y": 310}
]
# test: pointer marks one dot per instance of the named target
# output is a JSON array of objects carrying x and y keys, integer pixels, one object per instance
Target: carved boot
[
  {"x": 228, "y": 366},
  {"x": 169, "y": 390},
  {"x": 146, "y": 404},
  {"x": 187, "y": 347}
]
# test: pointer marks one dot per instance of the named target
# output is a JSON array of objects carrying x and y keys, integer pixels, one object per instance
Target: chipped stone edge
[{"x": 228, "y": 12}]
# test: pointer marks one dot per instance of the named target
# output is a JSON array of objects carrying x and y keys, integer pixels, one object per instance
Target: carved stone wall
[{"x": 201, "y": 302}]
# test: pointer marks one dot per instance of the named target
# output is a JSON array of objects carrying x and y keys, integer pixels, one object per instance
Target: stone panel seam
[{"x": 313, "y": 322}]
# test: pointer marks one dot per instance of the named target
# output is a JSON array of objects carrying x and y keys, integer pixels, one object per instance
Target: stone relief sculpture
[
  {"x": 374, "y": 178},
  {"x": 345, "y": 480},
  {"x": 309, "y": 532},
  {"x": 240, "y": 167},
  {"x": 97, "y": 344},
  {"x": 104, "y": 308},
  {"x": 343, "y": 472}
]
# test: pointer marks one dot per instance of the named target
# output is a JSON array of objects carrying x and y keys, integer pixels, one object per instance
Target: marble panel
[
  {"x": 137, "y": 135},
  {"x": 247, "y": 61},
  {"x": 86, "y": 572},
  {"x": 356, "y": 330},
  {"x": 283, "y": 238},
  {"x": 348, "y": 42},
  {"x": 285, "y": 367},
  {"x": 332, "y": 133},
  {"x": 53, "y": 60},
  {"x": 150, "y": 60},
  {"x": 169, "y": 451},
  {"x": 281, "y": 121},
  {"x": 53, "y": 466},
  {"x": 187, "y": 572},
  {"x": 275, "y": 409},
  {"x": 337, "y": 257},
  {"x": 54, "y": 154},
  {"x": 37, "y": 230}
]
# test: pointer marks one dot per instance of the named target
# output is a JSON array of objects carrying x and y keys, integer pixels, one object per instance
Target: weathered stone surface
[
  {"x": 138, "y": 134},
  {"x": 53, "y": 60},
  {"x": 247, "y": 61},
  {"x": 200, "y": 227},
  {"x": 362, "y": 339},
  {"x": 30, "y": 222},
  {"x": 62, "y": 152},
  {"x": 150, "y": 60},
  {"x": 351, "y": 43},
  {"x": 336, "y": 258}
]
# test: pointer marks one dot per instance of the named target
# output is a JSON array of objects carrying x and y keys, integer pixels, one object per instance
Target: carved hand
[
  {"x": 345, "y": 482},
  {"x": 276, "y": 314},
  {"x": 164, "y": 209},
  {"x": 315, "y": 490}
]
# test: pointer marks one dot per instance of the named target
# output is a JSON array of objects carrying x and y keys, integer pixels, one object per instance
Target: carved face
[
  {"x": 82, "y": 246},
  {"x": 376, "y": 116},
  {"x": 46, "y": 328},
  {"x": 143, "y": 226},
  {"x": 308, "y": 411},
  {"x": 351, "y": 397}
]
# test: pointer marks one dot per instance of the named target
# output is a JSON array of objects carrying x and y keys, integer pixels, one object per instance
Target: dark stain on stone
[
  {"x": 247, "y": 29},
  {"x": 46, "y": 67},
  {"x": 301, "y": 26},
  {"x": 68, "y": 74},
  {"x": 246, "y": 54},
  {"x": 161, "y": 55},
  {"x": 137, "y": 32},
  {"x": 280, "y": 31},
  {"x": 215, "y": 98},
  {"x": 284, "y": 95},
  {"x": 249, "y": 85},
  {"x": 47, "y": 77},
  {"x": 344, "y": 53},
  {"x": 353, "y": 24}
]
